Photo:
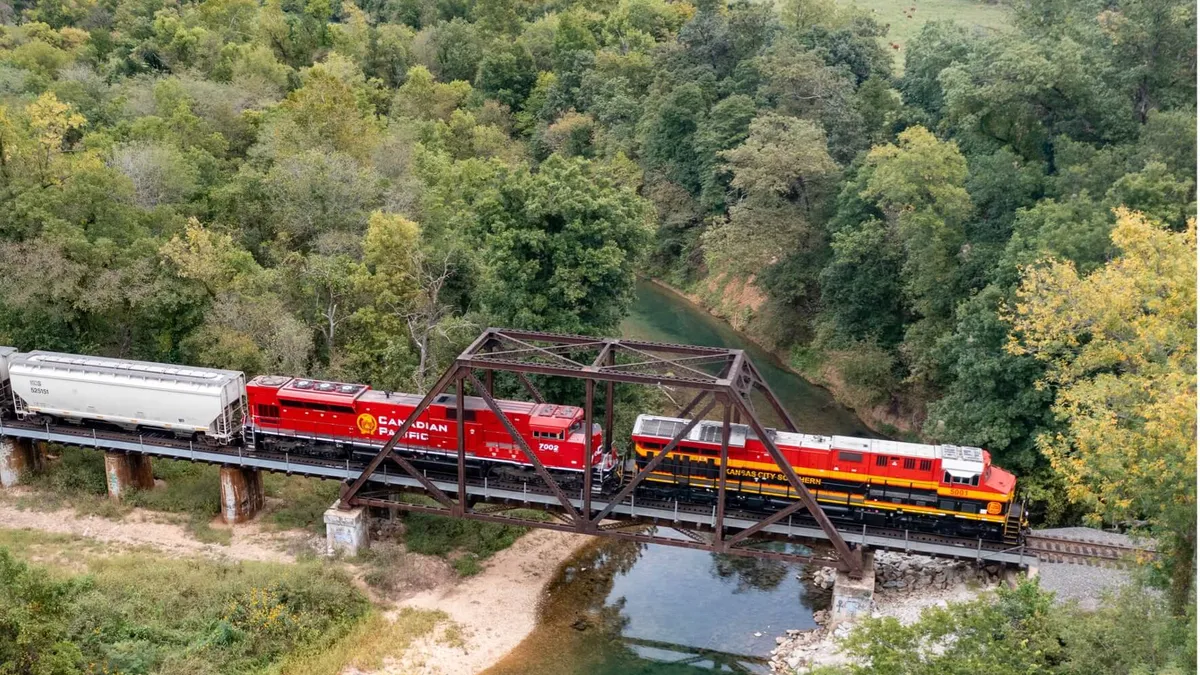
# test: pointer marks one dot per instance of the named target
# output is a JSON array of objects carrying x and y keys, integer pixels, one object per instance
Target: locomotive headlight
[{"x": 994, "y": 508}]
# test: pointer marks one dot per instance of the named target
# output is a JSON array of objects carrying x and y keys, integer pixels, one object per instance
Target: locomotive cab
[{"x": 551, "y": 423}]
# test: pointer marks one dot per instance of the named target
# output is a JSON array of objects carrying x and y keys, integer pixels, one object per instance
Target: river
[{"x": 619, "y": 608}]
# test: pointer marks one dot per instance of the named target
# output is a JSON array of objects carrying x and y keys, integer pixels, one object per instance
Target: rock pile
[
  {"x": 901, "y": 580},
  {"x": 818, "y": 576},
  {"x": 898, "y": 573},
  {"x": 796, "y": 649}
]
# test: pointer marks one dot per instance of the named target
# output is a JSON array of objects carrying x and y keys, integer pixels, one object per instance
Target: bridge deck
[{"x": 683, "y": 517}]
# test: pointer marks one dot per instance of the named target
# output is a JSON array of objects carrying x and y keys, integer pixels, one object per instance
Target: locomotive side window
[{"x": 971, "y": 480}]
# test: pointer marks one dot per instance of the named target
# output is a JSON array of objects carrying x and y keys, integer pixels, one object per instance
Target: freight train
[{"x": 945, "y": 489}]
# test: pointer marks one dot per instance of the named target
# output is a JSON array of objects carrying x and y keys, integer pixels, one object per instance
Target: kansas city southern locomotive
[{"x": 946, "y": 489}]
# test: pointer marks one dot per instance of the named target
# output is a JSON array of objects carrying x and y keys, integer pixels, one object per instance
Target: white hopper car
[{"x": 187, "y": 401}]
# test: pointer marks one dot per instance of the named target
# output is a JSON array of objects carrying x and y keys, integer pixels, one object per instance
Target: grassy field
[
  {"x": 140, "y": 613},
  {"x": 905, "y": 17}
]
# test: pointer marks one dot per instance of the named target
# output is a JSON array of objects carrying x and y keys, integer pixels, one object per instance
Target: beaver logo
[{"x": 367, "y": 424}]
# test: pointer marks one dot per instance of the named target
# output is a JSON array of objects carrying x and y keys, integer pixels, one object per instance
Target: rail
[{"x": 1056, "y": 549}]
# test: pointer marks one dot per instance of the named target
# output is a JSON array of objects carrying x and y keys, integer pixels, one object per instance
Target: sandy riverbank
[{"x": 491, "y": 612}]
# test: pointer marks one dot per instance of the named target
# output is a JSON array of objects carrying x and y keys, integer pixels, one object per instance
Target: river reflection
[{"x": 622, "y": 608}]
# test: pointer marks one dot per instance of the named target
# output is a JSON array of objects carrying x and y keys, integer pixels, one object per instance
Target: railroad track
[
  {"x": 1043, "y": 547},
  {"x": 1084, "y": 551}
]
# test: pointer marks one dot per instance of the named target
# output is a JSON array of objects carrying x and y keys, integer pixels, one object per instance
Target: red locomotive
[{"x": 333, "y": 418}]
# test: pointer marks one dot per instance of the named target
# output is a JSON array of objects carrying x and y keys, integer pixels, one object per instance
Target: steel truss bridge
[{"x": 724, "y": 380}]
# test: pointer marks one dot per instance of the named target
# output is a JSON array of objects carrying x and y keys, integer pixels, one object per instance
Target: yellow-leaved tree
[
  {"x": 1120, "y": 344},
  {"x": 51, "y": 120}
]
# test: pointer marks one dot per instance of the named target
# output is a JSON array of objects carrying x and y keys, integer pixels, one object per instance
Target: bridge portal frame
[{"x": 722, "y": 377}]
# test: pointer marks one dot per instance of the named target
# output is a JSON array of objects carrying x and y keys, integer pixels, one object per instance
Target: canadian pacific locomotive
[{"x": 946, "y": 489}]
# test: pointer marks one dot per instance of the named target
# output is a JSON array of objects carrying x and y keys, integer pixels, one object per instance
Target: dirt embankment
[{"x": 141, "y": 528}]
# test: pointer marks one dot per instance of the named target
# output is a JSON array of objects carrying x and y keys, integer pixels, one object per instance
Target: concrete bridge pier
[
  {"x": 18, "y": 456},
  {"x": 127, "y": 471},
  {"x": 345, "y": 530},
  {"x": 241, "y": 494},
  {"x": 852, "y": 597}
]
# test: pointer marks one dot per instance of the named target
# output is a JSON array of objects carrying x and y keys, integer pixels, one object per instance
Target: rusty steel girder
[{"x": 722, "y": 377}]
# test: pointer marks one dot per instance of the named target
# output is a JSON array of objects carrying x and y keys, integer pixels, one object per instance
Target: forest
[{"x": 994, "y": 237}]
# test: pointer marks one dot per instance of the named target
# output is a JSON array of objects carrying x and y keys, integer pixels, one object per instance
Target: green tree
[
  {"x": 669, "y": 141},
  {"x": 861, "y": 286},
  {"x": 1021, "y": 631},
  {"x": 457, "y": 50},
  {"x": 507, "y": 74},
  {"x": 783, "y": 157},
  {"x": 919, "y": 185},
  {"x": 1119, "y": 345},
  {"x": 992, "y": 400},
  {"x": 562, "y": 254}
]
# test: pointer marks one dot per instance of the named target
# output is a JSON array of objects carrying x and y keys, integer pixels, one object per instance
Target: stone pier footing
[
  {"x": 241, "y": 494},
  {"x": 345, "y": 530},
  {"x": 127, "y": 471},
  {"x": 852, "y": 597},
  {"x": 17, "y": 456}
]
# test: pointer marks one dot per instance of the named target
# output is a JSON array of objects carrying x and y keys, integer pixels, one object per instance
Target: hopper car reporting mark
[{"x": 947, "y": 489}]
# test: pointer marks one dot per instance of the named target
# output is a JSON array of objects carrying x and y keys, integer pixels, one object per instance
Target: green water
[
  {"x": 662, "y": 316},
  {"x": 621, "y": 608}
]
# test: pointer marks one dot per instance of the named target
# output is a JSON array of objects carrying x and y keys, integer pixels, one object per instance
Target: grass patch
[
  {"x": 906, "y": 17},
  {"x": 453, "y": 636},
  {"x": 467, "y": 565},
  {"x": 302, "y": 504},
  {"x": 439, "y": 535},
  {"x": 138, "y": 613},
  {"x": 74, "y": 478},
  {"x": 387, "y": 566},
  {"x": 465, "y": 543},
  {"x": 367, "y": 645}
]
